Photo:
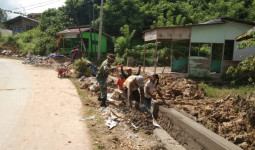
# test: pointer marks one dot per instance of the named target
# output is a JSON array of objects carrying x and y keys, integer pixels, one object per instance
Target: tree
[
  {"x": 3, "y": 17},
  {"x": 51, "y": 22},
  {"x": 123, "y": 43},
  {"x": 248, "y": 42},
  {"x": 118, "y": 13}
]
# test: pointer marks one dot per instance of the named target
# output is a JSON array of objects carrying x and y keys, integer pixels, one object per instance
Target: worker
[
  {"x": 132, "y": 85},
  {"x": 129, "y": 71},
  {"x": 151, "y": 86},
  {"x": 120, "y": 82},
  {"x": 102, "y": 76},
  {"x": 77, "y": 54}
]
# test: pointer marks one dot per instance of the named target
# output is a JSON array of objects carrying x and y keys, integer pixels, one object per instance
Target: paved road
[{"x": 39, "y": 111}]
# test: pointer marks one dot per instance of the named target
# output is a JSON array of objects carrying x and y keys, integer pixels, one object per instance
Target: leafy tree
[
  {"x": 118, "y": 13},
  {"x": 244, "y": 72},
  {"x": 51, "y": 22},
  {"x": 248, "y": 42},
  {"x": 83, "y": 10},
  {"x": 3, "y": 15},
  {"x": 123, "y": 43}
]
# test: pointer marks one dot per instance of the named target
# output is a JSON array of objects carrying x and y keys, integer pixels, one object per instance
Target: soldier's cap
[
  {"x": 111, "y": 56},
  {"x": 139, "y": 79}
]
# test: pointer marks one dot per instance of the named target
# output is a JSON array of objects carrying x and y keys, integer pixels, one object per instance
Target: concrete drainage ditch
[{"x": 189, "y": 133}]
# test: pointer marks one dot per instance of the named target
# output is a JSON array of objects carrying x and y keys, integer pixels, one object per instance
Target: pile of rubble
[
  {"x": 6, "y": 52},
  {"x": 141, "y": 120},
  {"x": 232, "y": 117},
  {"x": 46, "y": 61},
  {"x": 180, "y": 88}
]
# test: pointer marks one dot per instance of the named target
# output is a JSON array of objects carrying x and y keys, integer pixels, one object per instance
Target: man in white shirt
[{"x": 151, "y": 86}]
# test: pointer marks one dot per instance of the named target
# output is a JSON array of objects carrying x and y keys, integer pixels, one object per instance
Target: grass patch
[
  {"x": 96, "y": 126},
  {"x": 224, "y": 91},
  {"x": 83, "y": 95}
]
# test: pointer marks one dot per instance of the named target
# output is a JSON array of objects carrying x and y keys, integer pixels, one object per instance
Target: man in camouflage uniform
[{"x": 102, "y": 76}]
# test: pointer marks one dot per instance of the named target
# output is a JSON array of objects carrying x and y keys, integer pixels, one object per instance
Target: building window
[
  {"x": 16, "y": 30},
  {"x": 229, "y": 48},
  {"x": 94, "y": 42}
]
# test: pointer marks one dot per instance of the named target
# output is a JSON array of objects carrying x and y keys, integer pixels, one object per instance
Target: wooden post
[
  {"x": 84, "y": 46},
  {"x": 155, "y": 56},
  {"x": 222, "y": 59},
  {"x": 144, "y": 57},
  {"x": 172, "y": 55},
  {"x": 211, "y": 57},
  {"x": 189, "y": 57},
  {"x": 100, "y": 31}
]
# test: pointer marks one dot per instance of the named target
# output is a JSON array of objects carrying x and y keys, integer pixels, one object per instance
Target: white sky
[{"x": 29, "y": 6}]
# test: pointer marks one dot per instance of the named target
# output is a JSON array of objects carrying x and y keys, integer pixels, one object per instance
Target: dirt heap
[
  {"x": 232, "y": 118},
  {"x": 9, "y": 50},
  {"x": 49, "y": 62},
  {"x": 180, "y": 88},
  {"x": 140, "y": 121}
]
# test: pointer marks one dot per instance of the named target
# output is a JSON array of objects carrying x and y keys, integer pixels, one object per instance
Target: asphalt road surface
[{"x": 38, "y": 110}]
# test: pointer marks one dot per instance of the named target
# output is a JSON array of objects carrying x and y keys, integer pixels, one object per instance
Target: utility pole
[
  {"x": 100, "y": 31},
  {"x": 78, "y": 25},
  {"x": 94, "y": 36}
]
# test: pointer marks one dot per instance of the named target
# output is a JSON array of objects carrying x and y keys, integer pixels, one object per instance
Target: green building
[{"x": 70, "y": 38}]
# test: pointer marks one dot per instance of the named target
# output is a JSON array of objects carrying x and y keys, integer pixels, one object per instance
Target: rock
[
  {"x": 244, "y": 145},
  {"x": 239, "y": 139},
  {"x": 82, "y": 78},
  {"x": 94, "y": 87},
  {"x": 208, "y": 110},
  {"x": 117, "y": 94}
]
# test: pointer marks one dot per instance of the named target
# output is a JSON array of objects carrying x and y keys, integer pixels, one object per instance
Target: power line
[
  {"x": 44, "y": 5},
  {"x": 16, "y": 12},
  {"x": 30, "y": 5}
]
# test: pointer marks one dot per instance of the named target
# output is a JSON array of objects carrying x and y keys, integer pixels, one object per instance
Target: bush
[
  {"x": 81, "y": 68},
  {"x": 244, "y": 72}
]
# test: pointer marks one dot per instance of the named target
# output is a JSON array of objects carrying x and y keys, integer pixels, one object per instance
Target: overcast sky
[{"x": 29, "y": 6}]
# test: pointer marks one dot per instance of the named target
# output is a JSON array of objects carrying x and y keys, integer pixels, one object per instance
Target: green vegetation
[
  {"x": 81, "y": 68},
  {"x": 224, "y": 91},
  {"x": 248, "y": 42},
  {"x": 244, "y": 72},
  {"x": 127, "y": 24}
]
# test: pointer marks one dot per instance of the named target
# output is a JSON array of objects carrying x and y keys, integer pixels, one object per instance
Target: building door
[{"x": 217, "y": 49}]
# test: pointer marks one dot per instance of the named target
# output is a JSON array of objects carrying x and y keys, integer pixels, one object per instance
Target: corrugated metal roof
[
  {"x": 224, "y": 19},
  {"x": 209, "y": 22},
  {"x": 72, "y": 31},
  {"x": 246, "y": 35},
  {"x": 20, "y": 17},
  {"x": 213, "y": 21}
]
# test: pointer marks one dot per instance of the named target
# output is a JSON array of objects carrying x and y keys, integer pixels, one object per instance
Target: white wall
[
  {"x": 241, "y": 54},
  {"x": 5, "y": 31}
]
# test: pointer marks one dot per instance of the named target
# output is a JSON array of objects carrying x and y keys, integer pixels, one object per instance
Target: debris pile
[
  {"x": 91, "y": 84},
  {"x": 46, "y": 61},
  {"x": 232, "y": 117},
  {"x": 180, "y": 88},
  {"x": 141, "y": 120},
  {"x": 236, "y": 120},
  {"x": 6, "y": 52}
]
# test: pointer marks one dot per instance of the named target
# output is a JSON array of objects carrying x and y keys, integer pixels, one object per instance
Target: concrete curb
[
  {"x": 189, "y": 133},
  {"x": 167, "y": 140}
]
